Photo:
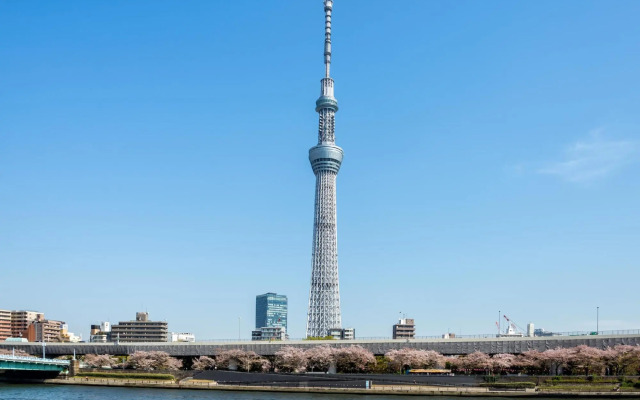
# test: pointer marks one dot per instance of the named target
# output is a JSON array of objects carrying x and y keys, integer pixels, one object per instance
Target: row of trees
[
  {"x": 587, "y": 360},
  {"x": 323, "y": 358},
  {"x": 618, "y": 360},
  {"x": 143, "y": 360},
  {"x": 293, "y": 359},
  {"x": 289, "y": 359}
]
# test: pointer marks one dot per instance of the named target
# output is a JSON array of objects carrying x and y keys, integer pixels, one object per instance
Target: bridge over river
[
  {"x": 455, "y": 346},
  {"x": 17, "y": 368},
  {"x": 32, "y": 364}
]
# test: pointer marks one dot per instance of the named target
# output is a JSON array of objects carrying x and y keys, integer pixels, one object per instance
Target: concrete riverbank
[{"x": 405, "y": 390}]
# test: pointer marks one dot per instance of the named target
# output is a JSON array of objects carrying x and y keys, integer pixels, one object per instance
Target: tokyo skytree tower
[{"x": 325, "y": 158}]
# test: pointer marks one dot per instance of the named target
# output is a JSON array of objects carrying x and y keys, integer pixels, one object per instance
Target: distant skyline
[{"x": 153, "y": 157}]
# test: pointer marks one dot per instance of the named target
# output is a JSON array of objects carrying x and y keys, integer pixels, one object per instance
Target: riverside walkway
[{"x": 454, "y": 346}]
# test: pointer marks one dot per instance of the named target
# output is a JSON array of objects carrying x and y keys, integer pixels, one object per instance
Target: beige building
[
  {"x": 45, "y": 331},
  {"x": 140, "y": 330},
  {"x": 5, "y": 324},
  {"x": 20, "y": 321},
  {"x": 404, "y": 329}
]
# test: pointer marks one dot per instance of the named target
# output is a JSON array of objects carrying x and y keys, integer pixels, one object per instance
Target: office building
[
  {"x": 342, "y": 334},
  {"x": 269, "y": 333},
  {"x": 100, "y": 333},
  {"x": 348, "y": 334},
  {"x": 70, "y": 337},
  {"x": 404, "y": 329},
  {"x": 335, "y": 333},
  {"x": 271, "y": 310},
  {"x": 530, "y": 330},
  {"x": 105, "y": 326},
  {"x": 99, "y": 337},
  {"x": 140, "y": 330}
]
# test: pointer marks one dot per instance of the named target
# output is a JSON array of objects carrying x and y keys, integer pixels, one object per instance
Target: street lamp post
[{"x": 597, "y": 320}]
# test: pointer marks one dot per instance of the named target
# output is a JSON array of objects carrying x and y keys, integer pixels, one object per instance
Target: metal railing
[
  {"x": 34, "y": 360},
  {"x": 591, "y": 334},
  {"x": 457, "y": 336}
]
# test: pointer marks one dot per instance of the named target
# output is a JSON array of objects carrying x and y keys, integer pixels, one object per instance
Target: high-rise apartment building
[
  {"x": 404, "y": 329},
  {"x": 271, "y": 311},
  {"x": 5, "y": 324},
  {"x": 45, "y": 331},
  {"x": 20, "y": 321},
  {"x": 140, "y": 330}
]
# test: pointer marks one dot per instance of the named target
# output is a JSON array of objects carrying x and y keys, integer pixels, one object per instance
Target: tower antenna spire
[
  {"x": 326, "y": 158},
  {"x": 328, "y": 7}
]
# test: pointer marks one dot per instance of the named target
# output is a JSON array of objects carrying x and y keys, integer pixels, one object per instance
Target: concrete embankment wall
[
  {"x": 416, "y": 390},
  {"x": 332, "y": 380}
]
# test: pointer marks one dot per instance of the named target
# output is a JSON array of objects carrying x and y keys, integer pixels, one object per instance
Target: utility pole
[{"x": 597, "y": 320}]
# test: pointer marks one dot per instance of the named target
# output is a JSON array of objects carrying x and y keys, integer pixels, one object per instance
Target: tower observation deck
[{"x": 326, "y": 158}]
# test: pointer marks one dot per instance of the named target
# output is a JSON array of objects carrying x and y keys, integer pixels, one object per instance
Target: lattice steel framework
[{"x": 325, "y": 158}]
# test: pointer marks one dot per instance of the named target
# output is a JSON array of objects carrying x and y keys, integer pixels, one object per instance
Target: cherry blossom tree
[
  {"x": 473, "y": 361},
  {"x": 100, "y": 360},
  {"x": 354, "y": 359},
  {"x": 261, "y": 364},
  {"x": 531, "y": 361},
  {"x": 18, "y": 353},
  {"x": 236, "y": 359},
  {"x": 242, "y": 360},
  {"x": 622, "y": 359},
  {"x": 320, "y": 358},
  {"x": 291, "y": 359},
  {"x": 203, "y": 363},
  {"x": 153, "y": 360},
  {"x": 557, "y": 359},
  {"x": 587, "y": 359},
  {"x": 502, "y": 361},
  {"x": 433, "y": 359},
  {"x": 412, "y": 358}
]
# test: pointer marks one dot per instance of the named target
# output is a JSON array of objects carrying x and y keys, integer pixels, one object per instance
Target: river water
[{"x": 64, "y": 392}]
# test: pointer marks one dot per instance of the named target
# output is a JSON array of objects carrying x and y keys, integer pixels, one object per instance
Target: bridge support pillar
[{"x": 74, "y": 367}]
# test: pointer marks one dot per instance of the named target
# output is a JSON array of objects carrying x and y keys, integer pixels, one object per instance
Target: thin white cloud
[{"x": 593, "y": 158}]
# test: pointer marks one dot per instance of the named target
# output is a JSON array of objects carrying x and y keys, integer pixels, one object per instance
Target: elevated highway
[{"x": 456, "y": 346}]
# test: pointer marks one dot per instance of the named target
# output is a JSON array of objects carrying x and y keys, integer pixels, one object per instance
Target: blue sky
[{"x": 153, "y": 156}]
